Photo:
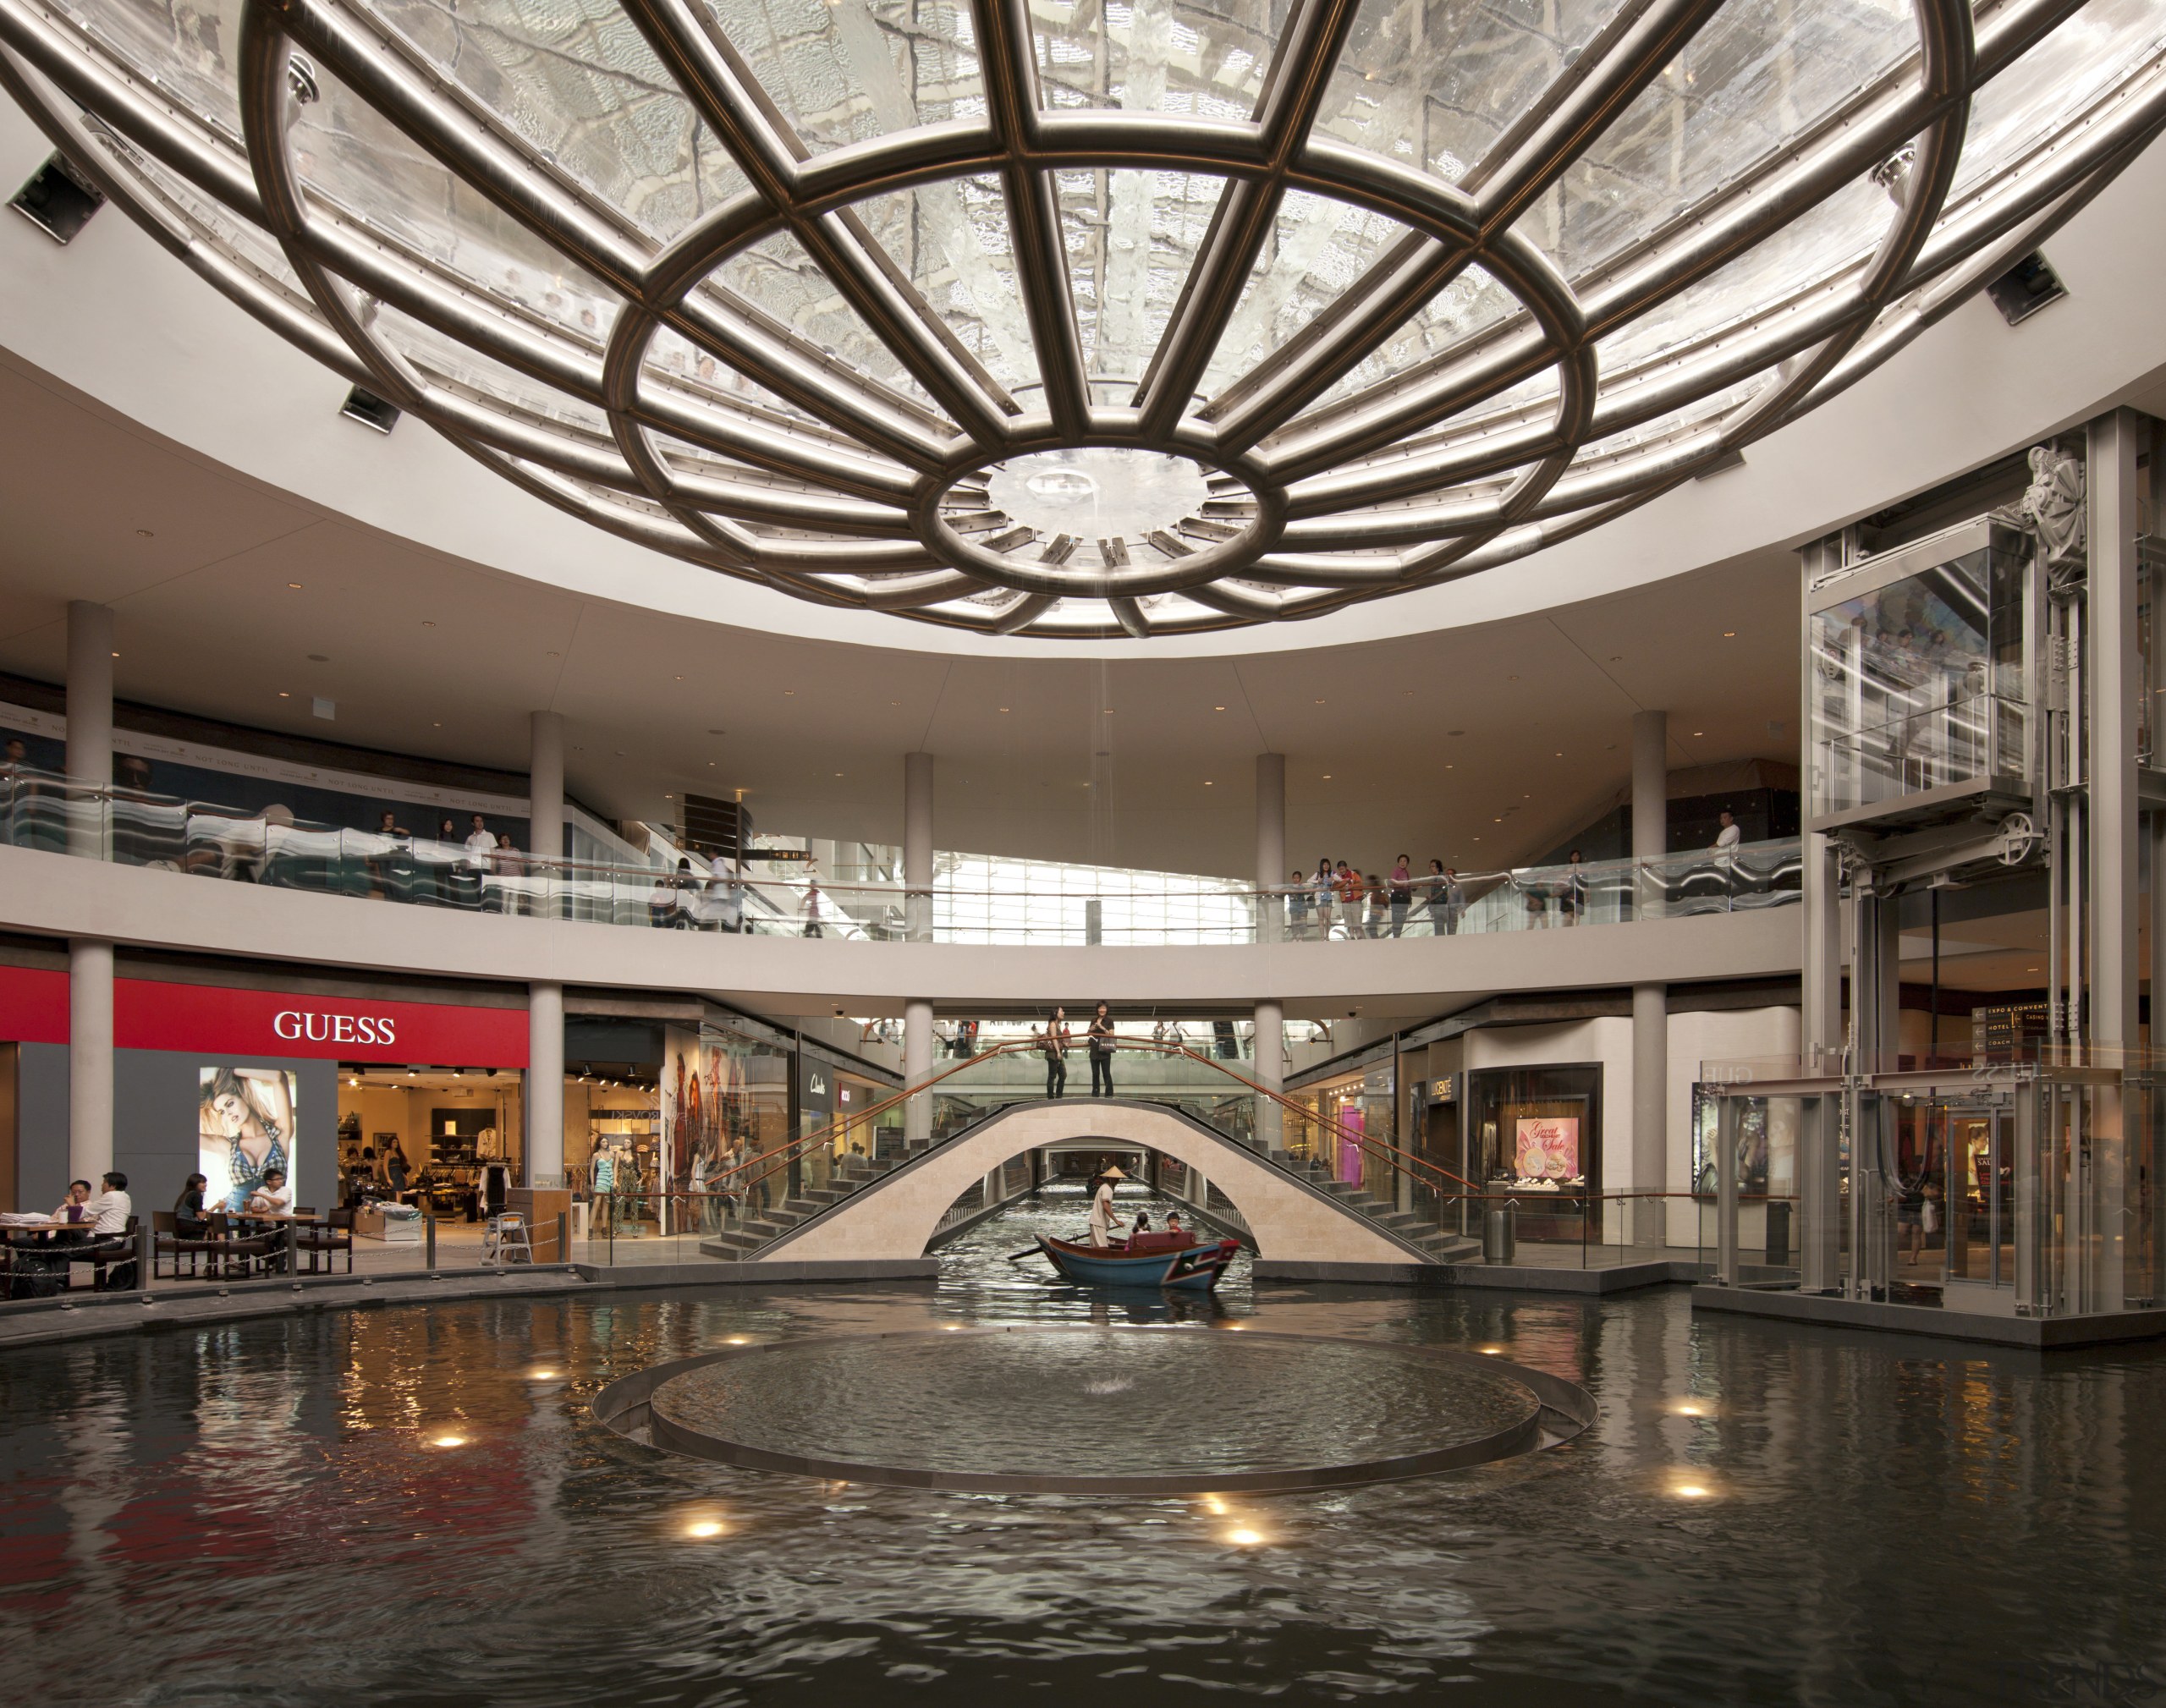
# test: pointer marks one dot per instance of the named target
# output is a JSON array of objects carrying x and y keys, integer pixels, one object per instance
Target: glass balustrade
[{"x": 1041, "y": 908}]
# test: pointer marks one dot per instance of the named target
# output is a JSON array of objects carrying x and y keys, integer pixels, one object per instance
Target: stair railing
[{"x": 758, "y": 1171}]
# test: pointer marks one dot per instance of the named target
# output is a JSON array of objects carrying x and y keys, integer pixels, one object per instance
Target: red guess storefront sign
[{"x": 213, "y": 1019}]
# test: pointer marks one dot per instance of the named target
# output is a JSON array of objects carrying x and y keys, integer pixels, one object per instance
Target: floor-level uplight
[
  {"x": 738, "y": 1340},
  {"x": 1691, "y": 1408},
  {"x": 705, "y": 1529},
  {"x": 1493, "y": 1351},
  {"x": 1245, "y": 1539},
  {"x": 542, "y": 1375},
  {"x": 1214, "y": 1506},
  {"x": 447, "y": 1441},
  {"x": 1690, "y": 1492}
]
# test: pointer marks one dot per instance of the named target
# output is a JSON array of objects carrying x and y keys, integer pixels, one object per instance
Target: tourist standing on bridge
[
  {"x": 1101, "y": 1052},
  {"x": 1056, "y": 1048}
]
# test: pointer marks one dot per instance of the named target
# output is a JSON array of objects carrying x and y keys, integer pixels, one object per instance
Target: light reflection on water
[{"x": 257, "y": 1513}]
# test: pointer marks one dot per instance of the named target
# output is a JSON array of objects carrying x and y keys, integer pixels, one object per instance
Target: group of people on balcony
[{"x": 1361, "y": 906}]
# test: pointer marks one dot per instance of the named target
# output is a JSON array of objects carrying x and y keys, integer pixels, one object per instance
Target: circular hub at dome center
[{"x": 1097, "y": 493}]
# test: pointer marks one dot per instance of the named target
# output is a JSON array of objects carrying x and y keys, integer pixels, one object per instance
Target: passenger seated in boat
[{"x": 1173, "y": 1222}]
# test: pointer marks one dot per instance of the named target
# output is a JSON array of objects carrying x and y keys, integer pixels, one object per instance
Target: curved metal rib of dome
[{"x": 1041, "y": 319}]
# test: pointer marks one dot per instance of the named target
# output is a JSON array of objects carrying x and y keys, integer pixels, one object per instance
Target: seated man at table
[
  {"x": 72, "y": 1206},
  {"x": 273, "y": 1197},
  {"x": 108, "y": 1212}
]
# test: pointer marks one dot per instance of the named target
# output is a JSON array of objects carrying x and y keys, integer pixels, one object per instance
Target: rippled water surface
[
  {"x": 262, "y": 1514},
  {"x": 1057, "y": 1399}
]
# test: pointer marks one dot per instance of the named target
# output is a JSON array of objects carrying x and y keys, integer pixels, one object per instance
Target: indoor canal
[{"x": 418, "y": 1505}]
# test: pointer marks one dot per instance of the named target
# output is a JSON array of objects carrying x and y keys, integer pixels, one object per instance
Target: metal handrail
[{"x": 779, "y": 1157}]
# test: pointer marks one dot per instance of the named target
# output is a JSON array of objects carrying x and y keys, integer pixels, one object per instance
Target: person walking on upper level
[
  {"x": 1320, "y": 898},
  {"x": 1101, "y": 1036},
  {"x": 1055, "y": 1046}
]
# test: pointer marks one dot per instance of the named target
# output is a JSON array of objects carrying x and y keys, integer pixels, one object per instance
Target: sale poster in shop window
[
  {"x": 1549, "y": 1147},
  {"x": 245, "y": 1126}
]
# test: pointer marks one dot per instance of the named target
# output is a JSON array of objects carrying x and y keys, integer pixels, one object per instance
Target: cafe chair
[
  {"x": 324, "y": 1244},
  {"x": 239, "y": 1256},
  {"x": 115, "y": 1251},
  {"x": 503, "y": 1240},
  {"x": 166, "y": 1242}
]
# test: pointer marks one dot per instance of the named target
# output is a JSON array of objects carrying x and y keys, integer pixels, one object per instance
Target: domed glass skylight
[{"x": 1068, "y": 317}]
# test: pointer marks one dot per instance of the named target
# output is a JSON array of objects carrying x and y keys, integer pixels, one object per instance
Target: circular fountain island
[{"x": 1083, "y": 1409}]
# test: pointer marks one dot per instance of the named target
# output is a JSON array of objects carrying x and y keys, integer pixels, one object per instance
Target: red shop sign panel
[{"x": 215, "y": 1021}]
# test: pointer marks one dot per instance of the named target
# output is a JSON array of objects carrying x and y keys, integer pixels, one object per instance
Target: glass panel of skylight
[
  {"x": 1316, "y": 248},
  {"x": 348, "y": 153},
  {"x": 2095, "y": 48},
  {"x": 952, "y": 242},
  {"x": 778, "y": 277},
  {"x": 845, "y": 71},
  {"x": 1760, "y": 71},
  {"x": 1437, "y": 82},
  {"x": 190, "y": 49},
  {"x": 576, "y": 81},
  {"x": 1205, "y": 60},
  {"x": 1131, "y": 238}
]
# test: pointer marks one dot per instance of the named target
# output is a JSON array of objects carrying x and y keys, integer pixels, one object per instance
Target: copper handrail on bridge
[{"x": 767, "y": 1163}]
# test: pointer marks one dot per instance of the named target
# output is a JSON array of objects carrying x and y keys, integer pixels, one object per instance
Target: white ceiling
[{"x": 430, "y": 655}]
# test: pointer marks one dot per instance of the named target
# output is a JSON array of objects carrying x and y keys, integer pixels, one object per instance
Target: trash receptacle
[
  {"x": 1500, "y": 1233},
  {"x": 1778, "y": 1234}
]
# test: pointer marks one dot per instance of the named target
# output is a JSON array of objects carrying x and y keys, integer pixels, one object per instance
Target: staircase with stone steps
[{"x": 1441, "y": 1243}]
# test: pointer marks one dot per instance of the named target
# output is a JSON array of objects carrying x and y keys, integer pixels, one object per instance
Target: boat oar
[{"x": 1017, "y": 1256}]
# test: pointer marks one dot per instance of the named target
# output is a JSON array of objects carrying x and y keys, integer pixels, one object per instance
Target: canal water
[{"x": 413, "y": 1505}]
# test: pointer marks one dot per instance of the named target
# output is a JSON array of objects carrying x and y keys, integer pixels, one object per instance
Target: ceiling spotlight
[
  {"x": 145, "y": 534},
  {"x": 1218, "y": 708},
  {"x": 295, "y": 585},
  {"x": 1729, "y": 634}
]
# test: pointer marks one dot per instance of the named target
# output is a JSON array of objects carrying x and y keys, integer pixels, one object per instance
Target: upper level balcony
[
  {"x": 1024, "y": 904},
  {"x": 125, "y": 865}
]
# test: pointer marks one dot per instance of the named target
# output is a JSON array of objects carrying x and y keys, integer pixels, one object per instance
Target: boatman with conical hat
[{"x": 1102, "y": 1207}]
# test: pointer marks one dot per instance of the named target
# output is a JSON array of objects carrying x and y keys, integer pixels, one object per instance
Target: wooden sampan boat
[{"x": 1149, "y": 1259}]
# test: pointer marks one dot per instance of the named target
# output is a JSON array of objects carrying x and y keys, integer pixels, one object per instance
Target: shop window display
[{"x": 1535, "y": 1134}]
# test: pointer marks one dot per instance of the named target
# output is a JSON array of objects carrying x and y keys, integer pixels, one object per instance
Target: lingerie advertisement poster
[{"x": 245, "y": 1129}]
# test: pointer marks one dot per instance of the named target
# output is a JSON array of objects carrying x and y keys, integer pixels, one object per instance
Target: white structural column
[
  {"x": 1270, "y": 844},
  {"x": 545, "y": 785},
  {"x": 2116, "y": 681},
  {"x": 90, "y": 724},
  {"x": 90, "y": 1059},
  {"x": 917, "y": 926},
  {"x": 1270, "y": 915},
  {"x": 1650, "y": 1003},
  {"x": 90, "y": 960},
  {"x": 544, "y": 1101}
]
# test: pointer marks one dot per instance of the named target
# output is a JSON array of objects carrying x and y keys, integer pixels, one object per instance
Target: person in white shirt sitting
[
  {"x": 108, "y": 1212},
  {"x": 273, "y": 1197}
]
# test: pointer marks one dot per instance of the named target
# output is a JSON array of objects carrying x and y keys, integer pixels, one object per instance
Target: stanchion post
[
  {"x": 429, "y": 1240},
  {"x": 563, "y": 1236}
]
